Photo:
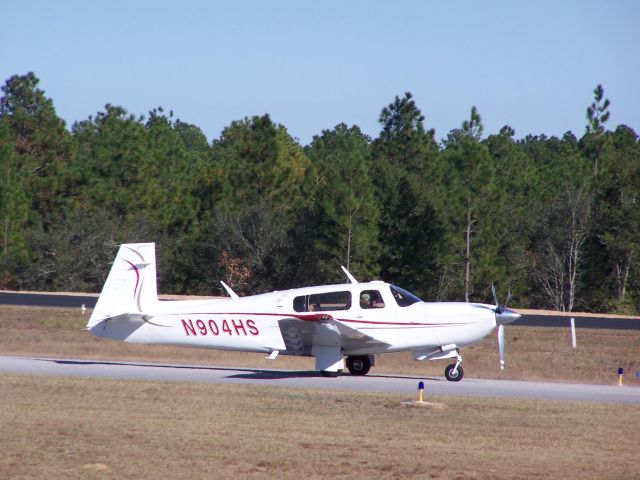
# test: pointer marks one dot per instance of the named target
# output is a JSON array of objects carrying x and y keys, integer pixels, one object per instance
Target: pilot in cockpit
[
  {"x": 365, "y": 300},
  {"x": 371, "y": 299}
]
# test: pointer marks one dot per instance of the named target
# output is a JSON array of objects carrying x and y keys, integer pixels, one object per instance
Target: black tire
[
  {"x": 359, "y": 365},
  {"x": 453, "y": 378}
]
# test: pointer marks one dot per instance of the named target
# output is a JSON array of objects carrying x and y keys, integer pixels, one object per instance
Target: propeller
[
  {"x": 501, "y": 345},
  {"x": 503, "y": 316}
]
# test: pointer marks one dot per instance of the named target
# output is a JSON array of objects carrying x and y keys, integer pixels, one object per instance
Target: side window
[
  {"x": 321, "y": 302},
  {"x": 371, "y": 299},
  {"x": 300, "y": 304}
]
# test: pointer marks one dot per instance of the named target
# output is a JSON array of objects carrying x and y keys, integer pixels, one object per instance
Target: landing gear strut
[
  {"x": 454, "y": 372},
  {"x": 359, "y": 365}
]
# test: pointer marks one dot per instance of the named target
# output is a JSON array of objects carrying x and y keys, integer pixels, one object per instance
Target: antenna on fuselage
[
  {"x": 351, "y": 278},
  {"x": 231, "y": 293}
]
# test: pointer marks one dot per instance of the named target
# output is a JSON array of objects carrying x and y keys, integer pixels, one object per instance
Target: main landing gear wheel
[
  {"x": 451, "y": 376},
  {"x": 359, "y": 365}
]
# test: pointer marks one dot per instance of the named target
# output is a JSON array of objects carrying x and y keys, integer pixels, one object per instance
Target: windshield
[{"x": 403, "y": 298}]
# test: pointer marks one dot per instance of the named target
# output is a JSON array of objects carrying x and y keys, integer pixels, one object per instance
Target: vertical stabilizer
[{"x": 131, "y": 285}]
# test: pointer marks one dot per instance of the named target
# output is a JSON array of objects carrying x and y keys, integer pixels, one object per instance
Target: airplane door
[{"x": 371, "y": 306}]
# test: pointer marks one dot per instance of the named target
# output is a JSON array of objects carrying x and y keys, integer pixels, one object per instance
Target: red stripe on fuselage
[{"x": 312, "y": 318}]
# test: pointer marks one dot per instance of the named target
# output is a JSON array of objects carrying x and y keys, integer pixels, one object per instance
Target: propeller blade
[
  {"x": 495, "y": 299},
  {"x": 506, "y": 303},
  {"x": 501, "y": 345}
]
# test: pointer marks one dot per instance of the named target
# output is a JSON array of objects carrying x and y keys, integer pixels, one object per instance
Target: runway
[{"x": 405, "y": 387}]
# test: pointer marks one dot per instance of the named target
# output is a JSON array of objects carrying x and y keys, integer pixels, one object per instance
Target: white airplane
[{"x": 329, "y": 322}]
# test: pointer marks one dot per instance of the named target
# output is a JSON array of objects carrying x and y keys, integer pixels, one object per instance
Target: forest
[{"x": 551, "y": 222}]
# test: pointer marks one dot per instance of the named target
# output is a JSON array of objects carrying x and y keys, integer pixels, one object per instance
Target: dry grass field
[
  {"x": 70, "y": 428},
  {"x": 532, "y": 353}
]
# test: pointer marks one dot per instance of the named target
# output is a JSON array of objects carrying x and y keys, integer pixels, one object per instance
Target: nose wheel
[{"x": 454, "y": 372}]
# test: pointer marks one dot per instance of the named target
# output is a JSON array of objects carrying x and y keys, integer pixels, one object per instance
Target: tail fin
[{"x": 131, "y": 285}]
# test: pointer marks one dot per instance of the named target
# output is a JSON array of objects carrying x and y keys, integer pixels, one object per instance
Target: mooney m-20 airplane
[{"x": 330, "y": 322}]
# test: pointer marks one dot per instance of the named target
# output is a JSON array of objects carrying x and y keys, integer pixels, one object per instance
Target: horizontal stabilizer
[{"x": 119, "y": 327}]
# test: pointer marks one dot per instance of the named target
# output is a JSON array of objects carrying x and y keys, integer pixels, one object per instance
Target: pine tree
[
  {"x": 405, "y": 160},
  {"x": 597, "y": 115},
  {"x": 346, "y": 214},
  {"x": 474, "y": 209},
  {"x": 35, "y": 151}
]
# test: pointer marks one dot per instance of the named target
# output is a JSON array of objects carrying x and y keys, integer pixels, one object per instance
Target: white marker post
[{"x": 573, "y": 333}]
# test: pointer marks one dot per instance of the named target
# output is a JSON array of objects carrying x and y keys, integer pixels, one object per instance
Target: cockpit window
[
  {"x": 321, "y": 302},
  {"x": 402, "y": 297},
  {"x": 371, "y": 299}
]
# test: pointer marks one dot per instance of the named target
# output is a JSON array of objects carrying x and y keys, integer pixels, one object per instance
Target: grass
[
  {"x": 532, "y": 353},
  {"x": 106, "y": 429}
]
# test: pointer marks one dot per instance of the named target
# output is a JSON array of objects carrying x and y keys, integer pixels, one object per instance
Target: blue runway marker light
[
  {"x": 420, "y": 391},
  {"x": 620, "y": 373}
]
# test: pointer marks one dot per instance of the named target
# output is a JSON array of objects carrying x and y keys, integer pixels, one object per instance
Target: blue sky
[{"x": 314, "y": 64}]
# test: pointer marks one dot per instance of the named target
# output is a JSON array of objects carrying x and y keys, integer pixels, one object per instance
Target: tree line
[{"x": 553, "y": 222}]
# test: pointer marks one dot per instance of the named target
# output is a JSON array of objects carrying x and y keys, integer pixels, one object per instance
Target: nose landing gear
[{"x": 454, "y": 372}]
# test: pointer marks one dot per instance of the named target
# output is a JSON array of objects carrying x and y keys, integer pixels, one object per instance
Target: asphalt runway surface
[
  {"x": 404, "y": 386},
  {"x": 89, "y": 301},
  {"x": 44, "y": 300}
]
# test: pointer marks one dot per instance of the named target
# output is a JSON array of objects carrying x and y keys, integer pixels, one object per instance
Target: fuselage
[{"x": 284, "y": 321}]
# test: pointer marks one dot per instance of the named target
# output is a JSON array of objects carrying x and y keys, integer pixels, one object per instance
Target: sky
[{"x": 314, "y": 64}]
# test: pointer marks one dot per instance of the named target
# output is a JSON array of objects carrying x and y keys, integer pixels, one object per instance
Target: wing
[{"x": 301, "y": 332}]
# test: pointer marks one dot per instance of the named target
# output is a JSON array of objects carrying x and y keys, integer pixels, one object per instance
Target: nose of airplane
[{"x": 504, "y": 316}]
